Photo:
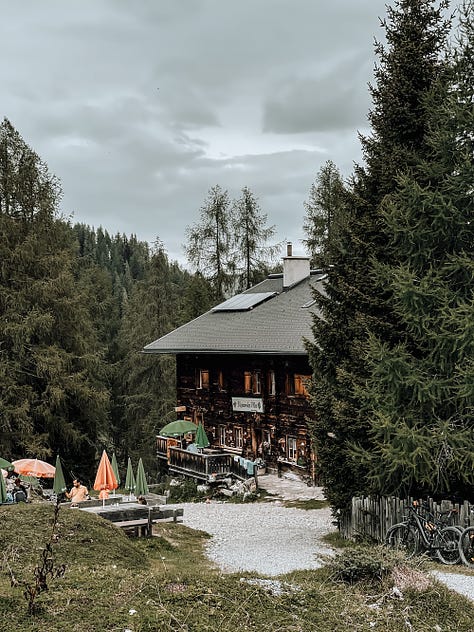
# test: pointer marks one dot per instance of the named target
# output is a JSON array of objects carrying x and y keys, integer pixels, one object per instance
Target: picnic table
[{"x": 134, "y": 517}]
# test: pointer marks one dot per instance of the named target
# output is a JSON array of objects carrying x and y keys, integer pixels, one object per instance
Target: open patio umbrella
[
  {"x": 3, "y": 491},
  {"x": 59, "y": 484},
  {"x": 141, "y": 486},
  {"x": 130, "y": 478},
  {"x": 6, "y": 465},
  {"x": 178, "y": 427},
  {"x": 34, "y": 467},
  {"x": 201, "y": 440},
  {"x": 105, "y": 477}
]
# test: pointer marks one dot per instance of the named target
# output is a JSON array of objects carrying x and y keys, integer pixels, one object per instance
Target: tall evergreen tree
[
  {"x": 253, "y": 254},
  {"x": 420, "y": 393},
  {"x": 354, "y": 305},
  {"x": 324, "y": 216},
  {"x": 208, "y": 246},
  {"x": 148, "y": 385},
  {"x": 52, "y": 394}
]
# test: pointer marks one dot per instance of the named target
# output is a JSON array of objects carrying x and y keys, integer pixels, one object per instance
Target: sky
[{"x": 139, "y": 108}]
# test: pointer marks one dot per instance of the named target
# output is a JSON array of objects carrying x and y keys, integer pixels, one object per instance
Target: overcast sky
[{"x": 140, "y": 107}]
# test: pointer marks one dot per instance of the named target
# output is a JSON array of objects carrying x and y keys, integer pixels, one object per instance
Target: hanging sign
[{"x": 247, "y": 404}]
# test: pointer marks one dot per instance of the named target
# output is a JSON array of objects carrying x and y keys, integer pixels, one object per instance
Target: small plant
[
  {"x": 362, "y": 564},
  {"x": 43, "y": 571}
]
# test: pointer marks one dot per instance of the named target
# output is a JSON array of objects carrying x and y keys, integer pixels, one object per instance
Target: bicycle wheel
[
  {"x": 466, "y": 547},
  {"x": 448, "y": 546},
  {"x": 404, "y": 538}
]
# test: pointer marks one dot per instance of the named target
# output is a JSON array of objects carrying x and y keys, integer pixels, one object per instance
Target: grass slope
[{"x": 113, "y": 583}]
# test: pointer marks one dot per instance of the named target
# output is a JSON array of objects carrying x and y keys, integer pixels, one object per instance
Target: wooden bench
[
  {"x": 166, "y": 513},
  {"x": 141, "y": 527}
]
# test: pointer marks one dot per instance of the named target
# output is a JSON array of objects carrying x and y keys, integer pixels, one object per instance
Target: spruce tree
[
  {"x": 354, "y": 306},
  {"x": 148, "y": 382},
  {"x": 420, "y": 394},
  {"x": 52, "y": 398}
]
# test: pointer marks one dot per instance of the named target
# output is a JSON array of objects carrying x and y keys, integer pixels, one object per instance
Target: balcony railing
[{"x": 207, "y": 465}]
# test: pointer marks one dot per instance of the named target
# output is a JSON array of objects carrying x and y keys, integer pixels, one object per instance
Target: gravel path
[
  {"x": 270, "y": 539},
  {"x": 265, "y": 538}
]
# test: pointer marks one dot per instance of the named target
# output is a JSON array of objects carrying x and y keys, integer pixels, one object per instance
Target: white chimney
[{"x": 295, "y": 269}]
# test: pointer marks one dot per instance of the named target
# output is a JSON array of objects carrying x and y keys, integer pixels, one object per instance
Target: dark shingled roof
[{"x": 275, "y": 326}]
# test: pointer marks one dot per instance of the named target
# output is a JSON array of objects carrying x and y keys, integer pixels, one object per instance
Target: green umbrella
[
  {"x": 115, "y": 468},
  {"x": 141, "y": 487},
  {"x": 130, "y": 478},
  {"x": 59, "y": 484},
  {"x": 178, "y": 427},
  {"x": 3, "y": 490},
  {"x": 6, "y": 465},
  {"x": 201, "y": 440}
]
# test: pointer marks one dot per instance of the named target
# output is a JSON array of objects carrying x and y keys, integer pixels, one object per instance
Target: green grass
[
  {"x": 306, "y": 504},
  {"x": 172, "y": 586}
]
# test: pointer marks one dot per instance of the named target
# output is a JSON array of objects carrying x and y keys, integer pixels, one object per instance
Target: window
[
  {"x": 271, "y": 383},
  {"x": 297, "y": 384},
  {"x": 222, "y": 435},
  {"x": 252, "y": 382},
  {"x": 220, "y": 380},
  {"x": 203, "y": 379},
  {"x": 239, "y": 437},
  {"x": 301, "y": 385},
  {"x": 291, "y": 448}
]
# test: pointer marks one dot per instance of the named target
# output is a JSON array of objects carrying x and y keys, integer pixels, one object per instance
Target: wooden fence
[{"x": 371, "y": 517}]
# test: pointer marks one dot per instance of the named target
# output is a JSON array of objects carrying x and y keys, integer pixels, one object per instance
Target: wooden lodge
[{"x": 243, "y": 371}]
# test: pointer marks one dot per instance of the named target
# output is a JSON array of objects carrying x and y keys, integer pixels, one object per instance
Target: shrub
[{"x": 362, "y": 564}]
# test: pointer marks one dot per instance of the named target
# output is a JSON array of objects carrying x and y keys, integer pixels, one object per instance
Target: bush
[{"x": 362, "y": 564}]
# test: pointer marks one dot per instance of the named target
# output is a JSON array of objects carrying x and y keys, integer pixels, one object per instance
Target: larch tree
[
  {"x": 420, "y": 390},
  {"x": 253, "y": 255},
  {"x": 52, "y": 394},
  {"x": 208, "y": 246},
  {"x": 354, "y": 305},
  {"x": 324, "y": 217}
]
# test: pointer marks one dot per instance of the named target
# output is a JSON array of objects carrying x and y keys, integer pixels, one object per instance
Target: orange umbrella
[
  {"x": 105, "y": 478},
  {"x": 34, "y": 467}
]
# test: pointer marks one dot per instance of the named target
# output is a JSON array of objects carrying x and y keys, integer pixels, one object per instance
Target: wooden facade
[
  {"x": 243, "y": 371},
  {"x": 272, "y": 391}
]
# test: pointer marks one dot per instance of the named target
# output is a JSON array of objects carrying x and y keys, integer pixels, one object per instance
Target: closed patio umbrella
[
  {"x": 141, "y": 486},
  {"x": 3, "y": 491},
  {"x": 59, "y": 484},
  {"x": 105, "y": 477},
  {"x": 115, "y": 468},
  {"x": 130, "y": 478},
  {"x": 201, "y": 439}
]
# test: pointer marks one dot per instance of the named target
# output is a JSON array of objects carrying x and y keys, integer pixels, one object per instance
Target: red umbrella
[
  {"x": 34, "y": 467},
  {"x": 105, "y": 477}
]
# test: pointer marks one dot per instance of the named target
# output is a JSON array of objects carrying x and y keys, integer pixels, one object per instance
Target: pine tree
[
  {"x": 420, "y": 393},
  {"x": 252, "y": 254},
  {"x": 354, "y": 305},
  {"x": 324, "y": 217},
  {"x": 52, "y": 398},
  {"x": 208, "y": 246}
]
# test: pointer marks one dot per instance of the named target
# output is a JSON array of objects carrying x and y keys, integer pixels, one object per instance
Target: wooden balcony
[{"x": 209, "y": 465}]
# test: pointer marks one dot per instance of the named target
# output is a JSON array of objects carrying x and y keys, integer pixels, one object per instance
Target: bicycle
[
  {"x": 420, "y": 533},
  {"x": 466, "y": 546}
]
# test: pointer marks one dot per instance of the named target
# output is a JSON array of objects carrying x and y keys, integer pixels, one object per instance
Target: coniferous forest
[{"x": 393, "y": 355}]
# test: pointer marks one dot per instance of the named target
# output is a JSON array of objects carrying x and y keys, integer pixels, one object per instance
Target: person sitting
[
  {"x": 78, "y": 493},
  {"x": 19, "y": 493},
  {"x": 142, "y": 500}
]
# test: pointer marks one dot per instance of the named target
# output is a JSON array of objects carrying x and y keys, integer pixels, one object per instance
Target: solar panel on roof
[{"x": 243, "y": 302}]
